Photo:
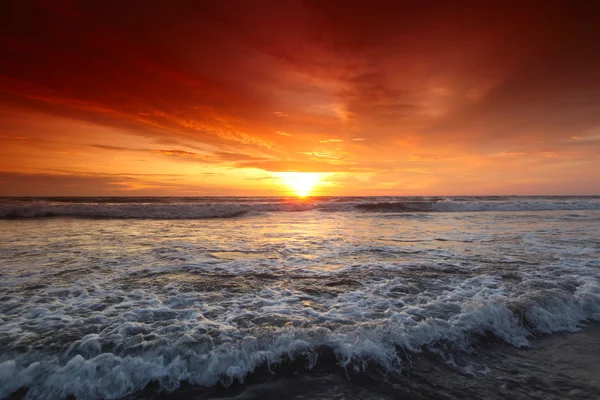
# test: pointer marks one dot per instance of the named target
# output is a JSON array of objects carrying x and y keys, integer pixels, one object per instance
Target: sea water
[{"x": 117, "y": 297}]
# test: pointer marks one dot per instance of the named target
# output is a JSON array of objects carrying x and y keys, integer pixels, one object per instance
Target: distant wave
[
  {"x": 459, "y": 205},
  {"x": 205, "y": 208},
  {"x": 118, "y": 211},
  {"x": 519, "y": 204},
  {"x": 398, "y": 206}
]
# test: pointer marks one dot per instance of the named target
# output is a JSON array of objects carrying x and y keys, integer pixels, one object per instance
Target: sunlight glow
[{"x": 302, "y": 183}]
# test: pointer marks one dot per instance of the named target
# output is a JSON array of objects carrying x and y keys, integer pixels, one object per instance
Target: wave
[
  {"x": 202, "y": 208},
  {"x": 141, "y": 210},
  {"x": 399, "y": 206},
  {"x": 95, "y": 367},
  {"x": 519, "y": 204},
  {"x": 460, "y": 205}
]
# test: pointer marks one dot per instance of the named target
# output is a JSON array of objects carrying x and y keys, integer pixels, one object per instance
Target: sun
[{"x": 302, "y": 183}]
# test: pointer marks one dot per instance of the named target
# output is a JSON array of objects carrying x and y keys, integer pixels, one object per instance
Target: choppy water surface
[{"x": 387, "y": 297}]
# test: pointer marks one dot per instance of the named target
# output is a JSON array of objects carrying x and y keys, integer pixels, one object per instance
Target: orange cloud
[{"x": 351, "y": 88}]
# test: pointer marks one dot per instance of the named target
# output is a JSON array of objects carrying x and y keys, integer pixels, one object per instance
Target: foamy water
[{"x": 207, "y": 291}]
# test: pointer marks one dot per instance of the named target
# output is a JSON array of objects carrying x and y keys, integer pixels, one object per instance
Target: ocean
[{"x": 329, "y": 297}]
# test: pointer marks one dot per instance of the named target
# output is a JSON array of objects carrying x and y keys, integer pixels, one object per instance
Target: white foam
[{"x": 179, "y": 351}]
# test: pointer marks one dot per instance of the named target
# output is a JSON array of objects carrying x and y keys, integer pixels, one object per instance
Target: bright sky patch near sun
[
  {"x": 299, "y": 97},
  {"x": 301, "y": 183}
]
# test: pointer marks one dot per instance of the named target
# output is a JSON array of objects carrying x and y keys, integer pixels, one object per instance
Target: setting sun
[{"x": 302, "y": 183}]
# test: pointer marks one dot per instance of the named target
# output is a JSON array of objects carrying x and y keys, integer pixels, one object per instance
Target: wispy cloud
[{"x": 330, "y": 140}]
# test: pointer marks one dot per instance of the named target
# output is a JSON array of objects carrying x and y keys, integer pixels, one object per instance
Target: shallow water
[{"x": 375, "y": 297}]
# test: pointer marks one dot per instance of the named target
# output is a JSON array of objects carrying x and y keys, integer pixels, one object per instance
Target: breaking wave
[
  {"x": 130, "y": 354},
  {"x": 203, "y": 208}
]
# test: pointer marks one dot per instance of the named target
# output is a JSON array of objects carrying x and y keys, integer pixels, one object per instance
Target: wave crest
[{"x": 169, "y": 208}]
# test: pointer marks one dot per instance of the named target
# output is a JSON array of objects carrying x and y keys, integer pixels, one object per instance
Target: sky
[{"x": 269, "y": 98}]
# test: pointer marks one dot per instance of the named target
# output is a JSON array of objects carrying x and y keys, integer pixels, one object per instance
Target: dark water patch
[
  {"x": 343, "y": 282},
  {"x": 511, "y": 277},
  {"x": 20, "y": 394}
]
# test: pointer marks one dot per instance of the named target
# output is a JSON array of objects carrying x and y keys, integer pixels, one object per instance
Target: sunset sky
[{"x": 228, "y": 97}]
